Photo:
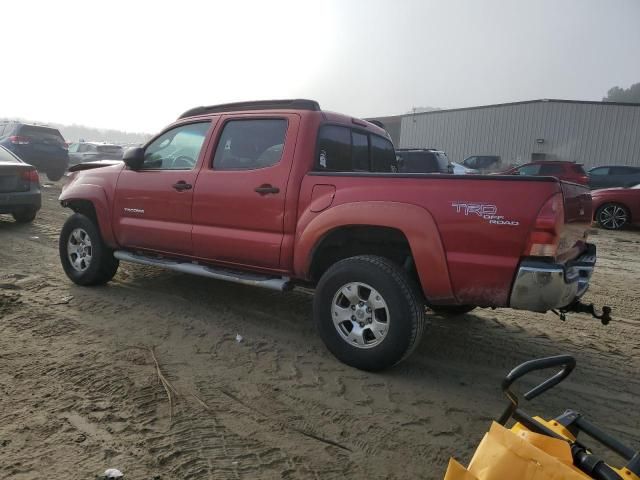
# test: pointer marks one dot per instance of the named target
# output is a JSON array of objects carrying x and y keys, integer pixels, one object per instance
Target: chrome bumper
[{"x": 540, "y": 286}]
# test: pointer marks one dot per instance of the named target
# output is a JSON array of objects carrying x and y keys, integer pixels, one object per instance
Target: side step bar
[{"x": 254, "y": 279}]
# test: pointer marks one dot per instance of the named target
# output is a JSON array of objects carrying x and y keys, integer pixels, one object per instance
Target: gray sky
[{"x": 137, "y": 65}]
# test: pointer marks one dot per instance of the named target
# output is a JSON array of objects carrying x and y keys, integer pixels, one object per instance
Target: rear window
[
  {"x": 7, "y": 157},
  {"x": 110, "y": 148},
  {"x": 41, "y": 133},
  {"x": 342, "y": 149}
]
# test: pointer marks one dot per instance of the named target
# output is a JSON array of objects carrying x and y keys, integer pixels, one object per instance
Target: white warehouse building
[{"x": 591, "y": 133}]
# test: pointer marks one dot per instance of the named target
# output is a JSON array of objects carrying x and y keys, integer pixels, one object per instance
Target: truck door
[
  {"x": 239, "y": 197},
  {"x": 152, "y": 206}
]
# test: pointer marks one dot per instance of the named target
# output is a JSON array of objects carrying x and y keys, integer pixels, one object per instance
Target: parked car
[
  {"x": 422, "y": 160},
  {"x": 19, "y": 188},
  {"x": 613, "y": 176},
  {"x": 483, "y": 163},
  {"x": 91, "y": 151},
  {"x": 40, "y": 146},
  {"x": 616, "y": 208},
  {"x": 567, "y": 171},
  {"x": 459, "y": 169},
  {"x": 278, "y": 194}
]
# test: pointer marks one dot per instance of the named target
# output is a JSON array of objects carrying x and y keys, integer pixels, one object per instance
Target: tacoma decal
[
  {"x": 133, "y": 210},
  {"x": 486, "y": 211}
]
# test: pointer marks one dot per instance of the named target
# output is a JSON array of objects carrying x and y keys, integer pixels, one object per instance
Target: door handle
[
  {"x": 182, "y": 185},
  {"x": 265, "y": 189}
]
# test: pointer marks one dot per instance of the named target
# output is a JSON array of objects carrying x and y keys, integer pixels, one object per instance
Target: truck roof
[{"x": 289, "y": 104}]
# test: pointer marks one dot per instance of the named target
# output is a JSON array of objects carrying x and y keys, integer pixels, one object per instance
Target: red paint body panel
[
  {"x": 629, "y": 197},
  {"x": 569, "y": 171},
  {"x": 467, "y": 234}
]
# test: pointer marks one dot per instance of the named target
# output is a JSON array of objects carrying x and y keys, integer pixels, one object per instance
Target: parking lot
[{"x": 80, "y": 385}]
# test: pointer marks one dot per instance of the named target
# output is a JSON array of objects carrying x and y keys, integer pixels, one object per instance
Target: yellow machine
[{"x": 537, "y": 449}]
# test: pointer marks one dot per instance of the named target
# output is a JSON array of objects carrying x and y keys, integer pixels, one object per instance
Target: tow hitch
[{"x": 579, "y": 307}]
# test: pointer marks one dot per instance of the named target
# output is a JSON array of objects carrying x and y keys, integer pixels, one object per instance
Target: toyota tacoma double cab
[{"x": 279, "y": 194}]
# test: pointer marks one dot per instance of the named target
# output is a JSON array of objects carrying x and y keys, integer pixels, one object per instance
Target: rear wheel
[
  {"x": 369, "y": 313},
  {"x": 612, "y": 216},
  {"x": 55, "y": 175},
  {"x": 24, "y": 216},
  {"x": 84, "y": 256}
]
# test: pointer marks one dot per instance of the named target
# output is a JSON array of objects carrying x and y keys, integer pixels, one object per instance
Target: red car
[
  {"x": 279, "y": 194},
  {"x": 567, "y": 171},
  {"x": 616, "y": 207}
]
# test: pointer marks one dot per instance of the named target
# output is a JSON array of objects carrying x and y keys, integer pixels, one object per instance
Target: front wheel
[
  {"x": 84, "y": 256},
  {"x": 612, "y": 216},
  {"x": 369, "y": 313}
]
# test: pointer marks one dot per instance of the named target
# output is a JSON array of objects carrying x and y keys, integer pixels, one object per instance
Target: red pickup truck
[{"x": 280, "y": 193}]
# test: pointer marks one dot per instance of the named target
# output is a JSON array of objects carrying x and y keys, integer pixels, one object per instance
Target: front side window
[
  {"x": 176, "y": 149},
  {"x": 471, "y": 162},
  {"x": 250, "y": 144}
]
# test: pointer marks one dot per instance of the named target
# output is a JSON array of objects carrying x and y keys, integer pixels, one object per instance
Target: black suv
[
  {"x": 43, "y": 147},
  {"x": 422, "y": 160}
]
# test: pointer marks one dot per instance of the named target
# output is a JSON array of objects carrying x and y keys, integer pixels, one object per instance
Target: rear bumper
[
  {"x": 11, "y": 202},
  {"x": 541, "y": 286}
]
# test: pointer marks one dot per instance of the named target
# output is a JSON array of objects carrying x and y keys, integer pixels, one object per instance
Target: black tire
[
  {"x": 102, "y": 265},
  {"x": 613, "y": 216},
  {"x": 452, "y": 310},
  {"x": 24, "y": 216},
  {"x": 403, "y": 301},
  {"x": 54, "y": 176}
]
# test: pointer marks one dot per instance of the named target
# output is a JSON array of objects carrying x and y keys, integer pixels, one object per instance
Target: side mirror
[{"x": 134, "y": 158}]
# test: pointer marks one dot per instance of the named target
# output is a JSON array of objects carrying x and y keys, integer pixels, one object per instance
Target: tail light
[
  {"x": 584, "y": 179},
  {"x": 30, "y": 176},
  {"x": 19, "y": 140},
  {"x": 547, "y": 229}
]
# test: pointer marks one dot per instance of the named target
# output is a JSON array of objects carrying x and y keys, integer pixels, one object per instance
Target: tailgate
[{"x": 577, "y": 220}]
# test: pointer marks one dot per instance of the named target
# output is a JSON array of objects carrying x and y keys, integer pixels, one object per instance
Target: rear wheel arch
[{"x": 411, "y": 227}]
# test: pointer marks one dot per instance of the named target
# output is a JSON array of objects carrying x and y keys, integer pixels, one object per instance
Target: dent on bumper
[{"x": 542, "y": 286}]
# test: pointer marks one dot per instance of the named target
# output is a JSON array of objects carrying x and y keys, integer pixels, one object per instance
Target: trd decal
[{"x": 486, "y": 211}]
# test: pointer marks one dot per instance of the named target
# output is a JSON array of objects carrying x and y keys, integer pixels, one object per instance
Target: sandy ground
[{"x": 79, "y": 391}]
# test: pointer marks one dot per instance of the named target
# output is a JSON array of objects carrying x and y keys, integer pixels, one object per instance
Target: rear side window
[
  {"x": 529, "y": 170},
  {"x": 383, "y": 157},
  {"x": 342, "y": 149},
  {"x": 622, "y": 171},
  {"x": 360, "y": 151},
  {"x": 7, "y": 157},
  {"x": 599, "y": 171},
  {"x": 577, "y": 168},
  {"x": 334, "y": 153},
  {"x": 250, "y": 144},
  {"x": 550, "y": 169}
]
